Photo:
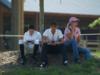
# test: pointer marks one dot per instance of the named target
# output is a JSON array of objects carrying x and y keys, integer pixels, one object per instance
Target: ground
[{"x": 8, "y": 66}]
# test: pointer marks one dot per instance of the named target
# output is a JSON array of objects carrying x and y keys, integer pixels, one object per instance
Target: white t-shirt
[
  {"x": 36, "y": 37},
  {"x": 58, "y": 35}
]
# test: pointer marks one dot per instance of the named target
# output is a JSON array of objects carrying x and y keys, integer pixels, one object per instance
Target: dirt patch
[{"x": 8, "y": 57}]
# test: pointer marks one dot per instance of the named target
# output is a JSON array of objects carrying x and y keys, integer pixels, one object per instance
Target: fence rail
[
  {"x": 93, "y": 44},
  {"x": 2, "y": 35}
]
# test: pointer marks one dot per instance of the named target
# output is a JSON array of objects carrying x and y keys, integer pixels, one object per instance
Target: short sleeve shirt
[
  {"x": 35, "y": 37},
  {"x": 58, "y": 35}
]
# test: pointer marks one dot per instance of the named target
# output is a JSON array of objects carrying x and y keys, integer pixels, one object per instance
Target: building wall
[
  {"x": 2, "y": 11},
  {"x": 32, "y": 18},
  {"x": 61, "y": 20}
]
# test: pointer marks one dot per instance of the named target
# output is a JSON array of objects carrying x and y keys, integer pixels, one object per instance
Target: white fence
[
  {"x": 86, "y": 42},
  {"x": 91, "y": 43}
]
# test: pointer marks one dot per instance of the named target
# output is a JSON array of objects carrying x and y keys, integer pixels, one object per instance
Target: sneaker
[
  {"x": 22, "y": 62},
  {"x": 65, "y": 62},
  {"x": 77, "y": 61},
  {"x": 43, "y": 65}
]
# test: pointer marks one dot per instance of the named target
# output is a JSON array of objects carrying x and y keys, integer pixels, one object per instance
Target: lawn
[
  {"x": 97, "y": 53},
  {"x": 91, "y": 67}
]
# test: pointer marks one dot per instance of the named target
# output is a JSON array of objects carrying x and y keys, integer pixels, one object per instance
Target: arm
[
  {"x": 20, "y": 41},
  {"x": 78, "y": 37},
  {"x": 61, "y": 39},
  {"x": 26, "y": 39},
  {"x": 44, "y": 37},
  {"x": 39, "y": 40},
  {"x": 68, "y": 34}
]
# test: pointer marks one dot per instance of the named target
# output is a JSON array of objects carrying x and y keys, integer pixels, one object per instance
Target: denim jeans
[
  {"x": 77, "y": 49},
  {"x": 86, "y": 52}
]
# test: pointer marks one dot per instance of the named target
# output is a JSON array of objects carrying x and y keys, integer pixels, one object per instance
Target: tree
[{"x": 95, "y": 23}]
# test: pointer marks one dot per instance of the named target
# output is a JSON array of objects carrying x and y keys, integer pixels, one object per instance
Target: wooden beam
[
  {"x": 17, "y": 19},
  {"x": 41, "y": 16}
]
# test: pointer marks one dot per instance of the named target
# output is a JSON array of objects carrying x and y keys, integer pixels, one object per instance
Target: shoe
[
  {"x": 65, "y": 62},
  {"x": 77, "y": 62},
  {"x": 22, "y": 62},
  {"x": 43, "y": 65}
]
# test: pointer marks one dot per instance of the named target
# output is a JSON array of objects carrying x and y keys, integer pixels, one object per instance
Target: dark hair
[
  {"x": 31, "y": 27},
  {"x": 53, "y": 24}
]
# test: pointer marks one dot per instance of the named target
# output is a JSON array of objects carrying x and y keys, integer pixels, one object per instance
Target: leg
[
  {"x": 75, "y": 50},
  {"x": 64, "y": 53},
  {"x": 86, "y": 52},
  {"x": 22, "y": 53},
  {"x": 44, "y": 54},
  {"x": 36, "y": 47},
  {"x": 74, "y": 45}
]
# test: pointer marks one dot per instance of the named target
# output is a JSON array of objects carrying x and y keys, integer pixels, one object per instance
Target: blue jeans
[
  {"x": 86, "y": 52},
  {"x": 76, "y": 50}
]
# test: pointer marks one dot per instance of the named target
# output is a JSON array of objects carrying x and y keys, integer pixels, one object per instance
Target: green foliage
[{"x": 95, "y": 23}]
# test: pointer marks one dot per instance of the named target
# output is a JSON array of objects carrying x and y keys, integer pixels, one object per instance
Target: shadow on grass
[{"x": 91, "y": 67}]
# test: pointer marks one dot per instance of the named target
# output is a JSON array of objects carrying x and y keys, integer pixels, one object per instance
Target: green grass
[
  {"x": 91, "y": 67},
  {"x": 97, "y": 53}
]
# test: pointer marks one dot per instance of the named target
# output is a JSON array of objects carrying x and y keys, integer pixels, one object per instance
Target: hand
[
  {"x": 53, "y": 44},
  {"x": 30, "y": 42},
  {"x": 70, "y": 35},
  {"x": 57, "y": 43},
  {"x": 44, "y": 39}
]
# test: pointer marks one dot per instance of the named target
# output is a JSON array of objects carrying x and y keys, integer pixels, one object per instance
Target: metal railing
[
  {"x": 91, "y": 43},
  {"x": 85, "y": 41}
]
